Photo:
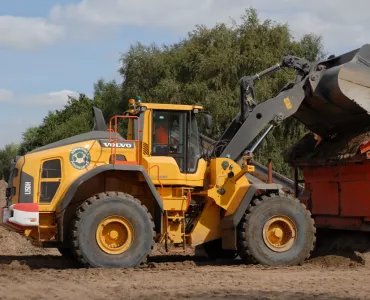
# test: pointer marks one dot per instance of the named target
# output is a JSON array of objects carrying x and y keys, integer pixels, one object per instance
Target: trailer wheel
[
  {"x": 214, "y": 250},
  {"x": 112, "y": 230},
  {"x": 276, "y": 230}
]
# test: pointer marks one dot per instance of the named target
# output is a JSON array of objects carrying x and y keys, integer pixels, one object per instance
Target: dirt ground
[{"x": 32, "y": 273}]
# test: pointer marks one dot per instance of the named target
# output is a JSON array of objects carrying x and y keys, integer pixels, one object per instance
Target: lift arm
[
  {"x": 329, "y": 97},
  {"x": 253, "y": 118}
]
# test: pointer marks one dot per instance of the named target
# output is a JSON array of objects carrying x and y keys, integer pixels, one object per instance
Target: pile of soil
[
  {"x": 329, "y": 150},
  {"x": 13, "y": 244},
  {"x": 352, "y": 261}
]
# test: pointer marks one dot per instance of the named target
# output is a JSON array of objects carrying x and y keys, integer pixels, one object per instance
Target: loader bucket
[{"x": 339, "y": 99}]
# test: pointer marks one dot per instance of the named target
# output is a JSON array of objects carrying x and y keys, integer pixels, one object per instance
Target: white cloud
[
  {"x": 163, "y": 13},
  {"x": 342, "y": 23},
  {"x": 50, "y": 100},
  {"x": 53, "y": 99},
  {"x": 28, "y": 33}
]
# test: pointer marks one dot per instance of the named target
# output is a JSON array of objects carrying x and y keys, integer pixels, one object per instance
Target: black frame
[
  {"x": 49, "y": 182},
  {"x": 186, "y": 139},
  {"x": 188, "y": 143}
]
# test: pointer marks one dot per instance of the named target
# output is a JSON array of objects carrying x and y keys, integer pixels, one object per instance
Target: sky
[{"x": 50, "y": 49}]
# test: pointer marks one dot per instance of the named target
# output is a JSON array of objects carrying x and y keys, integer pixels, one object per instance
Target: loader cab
[{"x": 170, "y": 140}]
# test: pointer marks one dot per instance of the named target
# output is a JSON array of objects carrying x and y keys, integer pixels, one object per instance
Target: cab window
[
  {"x": 169, "y": 135},
  {"x": 51, "y": 175}
]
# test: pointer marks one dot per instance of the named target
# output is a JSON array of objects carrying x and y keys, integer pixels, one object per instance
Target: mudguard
[{"x": 158, "y": 212}]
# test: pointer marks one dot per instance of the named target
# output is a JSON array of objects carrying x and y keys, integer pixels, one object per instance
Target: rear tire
[
  {"x": 112, "y": 230},
  {"x": 276, "y": 230}
]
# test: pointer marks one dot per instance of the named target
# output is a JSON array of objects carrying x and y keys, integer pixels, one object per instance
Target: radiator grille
[{"x": 145, "y": 149}]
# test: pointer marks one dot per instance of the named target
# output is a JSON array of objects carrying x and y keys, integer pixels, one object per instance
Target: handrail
[{"x": 157, "y": 177}]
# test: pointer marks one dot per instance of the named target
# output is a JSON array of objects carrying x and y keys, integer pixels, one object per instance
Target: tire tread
[
  {"x": 243, "y": 247},
  {"x": 84, "y": 206}
]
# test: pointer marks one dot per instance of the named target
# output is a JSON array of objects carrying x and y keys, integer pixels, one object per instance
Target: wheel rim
[
  {"x": 279, "y": 233},
  {"x": 115, "y": 235}
]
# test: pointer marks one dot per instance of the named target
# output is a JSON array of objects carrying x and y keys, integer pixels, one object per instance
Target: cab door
[
  {"x": 195, "y": 164},
  {"x": 168, "y": 146}
]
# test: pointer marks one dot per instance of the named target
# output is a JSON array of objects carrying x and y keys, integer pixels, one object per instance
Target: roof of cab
[{"x": 171, "y": 106}]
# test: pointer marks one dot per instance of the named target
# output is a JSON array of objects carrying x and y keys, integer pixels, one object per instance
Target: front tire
[
  {"x": 276, "y": 230},
  {"x": 112, "y": 230}
]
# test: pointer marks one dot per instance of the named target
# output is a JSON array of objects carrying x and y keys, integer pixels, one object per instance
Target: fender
[
  {"x": 229, "y": 223},
  {"x": 158, "y": 211}
]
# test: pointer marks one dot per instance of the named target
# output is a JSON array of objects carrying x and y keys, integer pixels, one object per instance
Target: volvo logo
[{"x": 127, "y": 145}]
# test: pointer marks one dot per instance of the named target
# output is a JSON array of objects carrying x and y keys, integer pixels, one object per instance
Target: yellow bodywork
[{"x": 211, "y": 183}]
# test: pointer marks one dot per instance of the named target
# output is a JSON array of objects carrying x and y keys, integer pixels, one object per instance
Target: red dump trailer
[{"x": 335, "y": 173}]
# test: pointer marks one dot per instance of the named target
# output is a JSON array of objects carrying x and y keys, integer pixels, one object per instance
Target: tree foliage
[
  {"x": 204, "y": 68},
  {"x": 6, "y": 155}
]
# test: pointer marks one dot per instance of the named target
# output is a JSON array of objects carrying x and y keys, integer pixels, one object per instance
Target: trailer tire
[
  {"x": 276, "y": 230},
  {"x": 112, "y": 230}
]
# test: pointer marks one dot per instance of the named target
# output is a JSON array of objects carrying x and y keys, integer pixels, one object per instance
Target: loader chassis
[{"x": 105, "y": 200}]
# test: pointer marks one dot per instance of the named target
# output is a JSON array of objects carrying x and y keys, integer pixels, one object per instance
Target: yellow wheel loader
[{"x": 105, "y": 198}]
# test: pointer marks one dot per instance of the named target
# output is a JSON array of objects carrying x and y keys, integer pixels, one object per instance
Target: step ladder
[{"x": 169, "y": 219}]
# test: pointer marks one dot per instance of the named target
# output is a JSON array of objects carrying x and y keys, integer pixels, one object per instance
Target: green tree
[
  {"x": 30, "y": 140},
  {"x": 6, "y": 155},
  {"x": 108, "y": 97},
  {"x": 205, "y": 69},
  {"x": 74, "y": 118}
]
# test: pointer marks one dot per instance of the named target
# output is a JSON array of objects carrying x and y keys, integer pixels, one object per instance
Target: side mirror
[{"x": 208, "y": 121}]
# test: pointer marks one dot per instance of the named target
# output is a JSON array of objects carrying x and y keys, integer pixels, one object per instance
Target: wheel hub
[
  {"x": 114, "y": 235},
  {"x": 279, "y": 233}
]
